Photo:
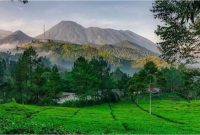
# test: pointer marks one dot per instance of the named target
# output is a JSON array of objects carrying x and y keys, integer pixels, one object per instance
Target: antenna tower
[{"x": 44, "y": 31}]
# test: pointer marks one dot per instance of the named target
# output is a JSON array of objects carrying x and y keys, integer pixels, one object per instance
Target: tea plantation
[{"x": 168, "y": 116}]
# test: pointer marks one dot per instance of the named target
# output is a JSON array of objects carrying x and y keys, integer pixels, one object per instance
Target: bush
[
  {"x": 111, "y": 97},
  {"x": 81, "y": 103}
]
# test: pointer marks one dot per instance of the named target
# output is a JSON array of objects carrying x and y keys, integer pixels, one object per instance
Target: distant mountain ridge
[
  {"x": 73, "y": 32},
  {"x": 16, "y": 37}
]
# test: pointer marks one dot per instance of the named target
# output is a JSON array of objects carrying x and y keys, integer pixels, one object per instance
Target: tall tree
[
  {"x": 2, "y": 70},
  {"x": 137, "y": 85},
  {"x": 38, "y": 92},
  {"x": 151, "y": 70},
  {"x": 171, "y": 80},
  {"x": 101, "y": 71},
  {"x": 24, "y": 73},
  {"x": 2, "y": 77},
  {"x": 180, "y": 29},
  {"x": 120, "y": 79},
  {"x": 91, "y": 78},
  {"x": 140, "y": 81},
  {"x": 80, "y": 77}
]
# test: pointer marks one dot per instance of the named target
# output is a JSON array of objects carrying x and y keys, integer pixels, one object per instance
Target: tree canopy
[{"x": 179, "y": 30}]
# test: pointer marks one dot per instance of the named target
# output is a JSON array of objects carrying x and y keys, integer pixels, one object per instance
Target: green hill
[
  {"x": 70, "y": 50},
  {"x": 114, "y": 54},
  {"x": 169, "y": 116}
]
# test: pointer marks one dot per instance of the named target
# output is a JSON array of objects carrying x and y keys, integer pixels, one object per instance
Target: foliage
[
  {"x": 171, "y": 79},
  {"x": 23, "y": 1},
  {"x": 28, "y": 80},
  {"x": 129, "y": 119},
  {"x": 91, "y": 79},
  {"x": 192, "y": 83},
  {"x": 137, "y": 85},
  {"x": 179, "y": 31},
  {"x": 32, "y": 80},
  {"x": 80, "y": 103},
  {"x": 160, "y": 63},
  {"x": 6, "y": 82},
  {"x": 120, "y": 79},
  {"x": 140, "y": 81},
  {"x": 24, "y": 73},
  {"x": 71, "y": 51}
]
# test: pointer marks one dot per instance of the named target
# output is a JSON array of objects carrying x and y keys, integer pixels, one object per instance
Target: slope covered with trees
[{"x": 31, "y": 80}]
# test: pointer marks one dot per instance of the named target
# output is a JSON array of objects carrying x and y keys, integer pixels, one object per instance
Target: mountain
[
  {"x": 4, "y": 33},
  {"x": 73, "y": 32},
  {"x": 16, "y": 37}
]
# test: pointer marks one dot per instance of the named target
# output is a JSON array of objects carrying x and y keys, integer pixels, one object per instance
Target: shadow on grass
[{"x": 159, "y": 116}]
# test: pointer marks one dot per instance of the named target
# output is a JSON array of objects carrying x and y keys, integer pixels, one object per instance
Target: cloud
[
  {"x": 7, "y": 47},
  {"x": 12, "y": 24}
]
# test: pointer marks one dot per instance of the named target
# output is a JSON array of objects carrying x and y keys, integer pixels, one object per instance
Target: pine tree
[{"x": 24, "y": 72}]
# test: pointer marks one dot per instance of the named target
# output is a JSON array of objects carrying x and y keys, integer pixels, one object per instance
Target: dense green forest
[{"x": 31, "y": 80}]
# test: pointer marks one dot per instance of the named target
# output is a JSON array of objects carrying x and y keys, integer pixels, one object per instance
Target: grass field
[{"x": 169, "y": 116}]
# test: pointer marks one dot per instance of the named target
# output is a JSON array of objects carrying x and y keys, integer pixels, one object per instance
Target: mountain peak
[
  {"x": 69, "y": 23},
  {"x": 16, "y": 37},
  {"x": 63, "y": 21},
  {"x": 69, "y": 31},
  {"x": 18, "y": 32}
]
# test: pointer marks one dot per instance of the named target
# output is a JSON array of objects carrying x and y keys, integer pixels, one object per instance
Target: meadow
[{"x": 168, "y": 116}]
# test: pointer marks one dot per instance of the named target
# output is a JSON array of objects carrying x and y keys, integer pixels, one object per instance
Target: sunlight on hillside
[{"x": 160, "y": 63}]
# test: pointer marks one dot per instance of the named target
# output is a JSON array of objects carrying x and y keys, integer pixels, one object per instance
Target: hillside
[
  {"x": 64, "y": 54},
  {"x": 160, "y": 63},
  {"x": 73, "y": 32},
  {"x": 68, "y": 50},
  {"x": 127, "y": 50},
  {"x": 121, "y": 118}
]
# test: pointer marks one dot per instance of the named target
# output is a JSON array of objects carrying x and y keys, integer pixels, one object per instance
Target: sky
[{"x": 120, "y": 15}]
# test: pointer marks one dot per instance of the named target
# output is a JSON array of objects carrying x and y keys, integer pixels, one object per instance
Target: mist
[{"x": 7, "y": 47}]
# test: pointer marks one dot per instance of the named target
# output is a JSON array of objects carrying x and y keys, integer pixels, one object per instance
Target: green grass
[
  {"x": 184, "y": 112},
  {"x": 123, "y": 117}
]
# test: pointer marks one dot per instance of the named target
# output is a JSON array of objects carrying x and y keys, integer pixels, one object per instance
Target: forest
[{"x": 30, "y": 81}]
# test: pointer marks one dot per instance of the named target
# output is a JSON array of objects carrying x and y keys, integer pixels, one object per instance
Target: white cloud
[{"x": 11, "y": 24}]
